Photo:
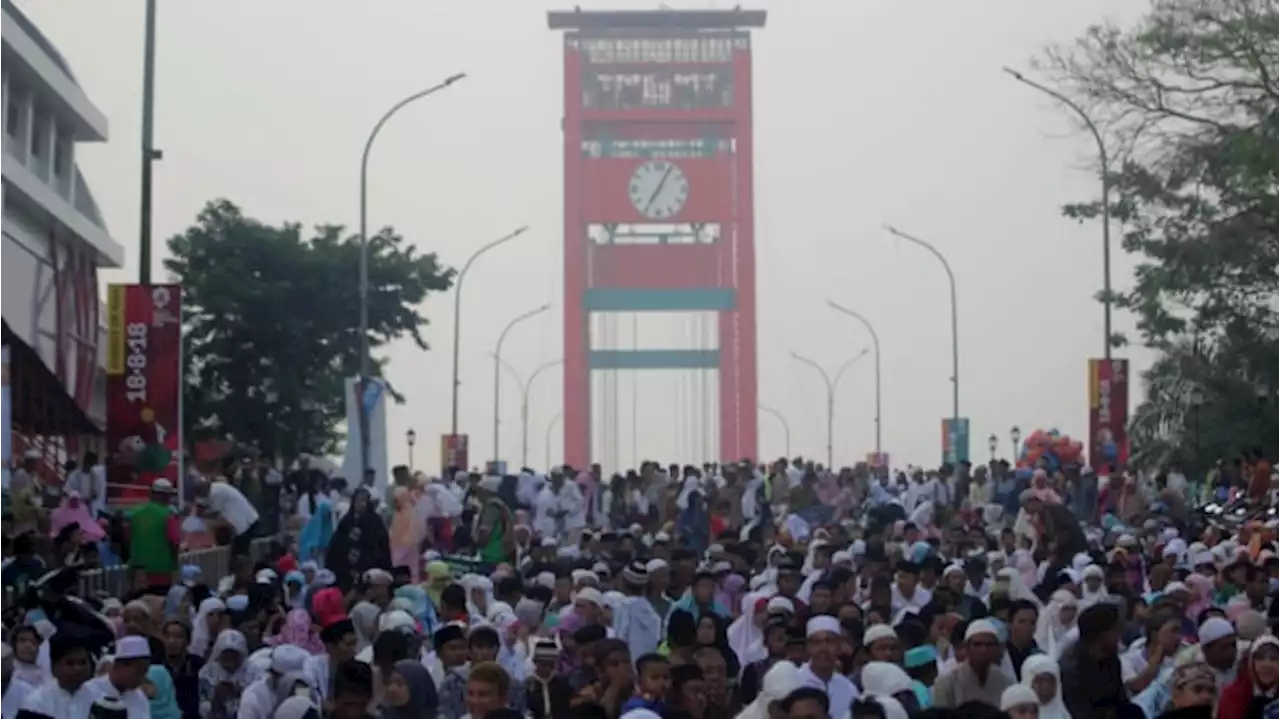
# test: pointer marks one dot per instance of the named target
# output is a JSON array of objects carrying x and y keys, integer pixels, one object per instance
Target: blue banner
[{"x": 955, "y": 440}]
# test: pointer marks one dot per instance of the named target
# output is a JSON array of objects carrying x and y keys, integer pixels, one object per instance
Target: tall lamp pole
[
  {"x": 832, "y": 383},
  {"x": 993, "y": 443},
  {"x": 1106, "y": 195},
  {"x": 875, "y": 346},
  {"x": 786, "y": 427},
  {"x": 524, "y": 400},
  {"x": 497, "y": 370},
  {"x": 364, "y": 258},
  {"x": 955, "y": 323},
  {"x": 1015, "y": 434},
  {"x": 457, "y": 315},
  {"x": 149, "y": 153},
  {"x": 550, "y": 426}
]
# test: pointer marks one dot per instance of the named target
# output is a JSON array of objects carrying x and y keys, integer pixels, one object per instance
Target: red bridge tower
[{"x": 659, "y": 199}]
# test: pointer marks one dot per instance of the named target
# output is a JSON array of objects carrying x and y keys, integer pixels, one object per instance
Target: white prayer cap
[
  {"x": 635, "y": 530},
  {"x": 1213, "y": 629},
  {"x": 1093, "y": 571},
  {"x": 953, "y": 568},
  {"x": 378, "y": 576},
  {"x": 549, "y": 542},
  {"x": 490, "y": 483},
  {"x": 288, "y": 658},
  {"x": 132, "y": 647},
  {"x": 876, "y": 632},
  {"x": 640, "y": 714},
  {"x": 822, "y": 623},
  {"x": 715, "y": 549},
  {"x": 546, "y": 579},
  {"x": 1018, "y": 695},
  {"x": 758, "y": 580},
  {"x": 581, "y": 576},
  {"x": 980, "y": 627},
  {"x": 655, "y": 565},
  {"x": 662, "y": 537},
  {"x": 721, "y": 568},
  {"x": 843, "y": 556},
  {"x": 396, "y": 619},
  {"x": 600, "y": 569},
  {"x": 589, "y": 594},
  {"x": 1172, "y": 587},
  {"x": 858, "y": 548},
  {"x": 780, "y": 604},
  {"x": 1202, "y": 558},
  {"x": 265, "y": 576}
]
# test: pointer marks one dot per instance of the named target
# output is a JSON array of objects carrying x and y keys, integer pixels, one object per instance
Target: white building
[{"x": 54, "y": 242}]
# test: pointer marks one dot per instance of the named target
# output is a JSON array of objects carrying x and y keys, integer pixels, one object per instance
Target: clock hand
[{"x": 658, "y": 190}]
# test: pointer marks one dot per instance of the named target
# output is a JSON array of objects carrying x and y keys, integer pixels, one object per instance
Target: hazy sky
[{"x": 866, "y": 112}]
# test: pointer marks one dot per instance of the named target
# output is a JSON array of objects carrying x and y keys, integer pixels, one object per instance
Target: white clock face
[{"x": 658, "y": 189}]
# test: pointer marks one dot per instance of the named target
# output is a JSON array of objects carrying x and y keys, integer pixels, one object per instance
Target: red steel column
[
  {"x": 745, "y": 250},
  {"x": 577, "y": 341}
]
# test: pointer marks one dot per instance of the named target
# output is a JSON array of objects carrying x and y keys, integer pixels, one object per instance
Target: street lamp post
[
  {"x": 497, "y": 370},
  {"x": 955, "y": 324},
  {"x": 457, "y": 314},
  {"x": 875, "y": 345},
  {"x": 410, "y": 439},
  {"x": 525, "y": 387},
  {"x": 786, "y": 427},
  {"x": 1106, "y": 195},
  {"x": 1015, "y": 434},
  {"x": 832, "y": 383},
  {"x": 550, "y": 426},
  {"x": 364, "y": 258},
  {"x": 993, "y": 443}
]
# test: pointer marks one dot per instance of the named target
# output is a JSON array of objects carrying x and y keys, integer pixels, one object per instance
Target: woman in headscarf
[
  {"x": 1055, "y": 621},
  {"x": 890, "y": 680},
  {"x": 1254, "y": 689},
  {"x": 72, "y": 510},
  {"x": 409, "y": 692},
  {"x": 365, "y": 616},
  {"x": 211, "y": 618},
  {"x": 224, "y": 676},
  {"x": 479, "y": 596},
  {"x": 1041, "y": 489},
  {"x": 781, "y": 679},
  {"x": 746, "y": 633},
  {"x": 359, "y": 543},
  {"x": 419, "y": 607},
  {"x": 162, "y": 696},
  {"x": 1093, "y": 587},
  {"x": 1041, "y": 673},
  {"x": 406, "y": 532},
  {"x": 298, "y": 631},
  {"x": 438, "y": 577},
  {"x": 316, "y": 534},
  {"x": 183, "y": 666},
  {"x": 1200, "y": 588},
  {"x": 712, "y": 631}
]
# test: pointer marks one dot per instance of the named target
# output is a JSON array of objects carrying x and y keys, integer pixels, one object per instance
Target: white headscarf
[
  {"x": 1050, "y": 629},
  {"x": 1034, "y": 666},
  {"x": 1088, "y": 598},
  {"x": 745, "y": 638},
  {"x": 200, "y": 626},
  {"x": 781, "y": 679}
]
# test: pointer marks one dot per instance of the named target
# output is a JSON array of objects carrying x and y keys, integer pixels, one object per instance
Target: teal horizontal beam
[
  {"x": 654, "y": 359},
  {"x": 656, "y": 300}
]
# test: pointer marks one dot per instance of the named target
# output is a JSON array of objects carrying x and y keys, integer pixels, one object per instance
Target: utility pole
[{"x": 149, "y": 153}]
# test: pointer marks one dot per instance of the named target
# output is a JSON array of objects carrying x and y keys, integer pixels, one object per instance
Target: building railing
[{"x": 116, "y": 581}]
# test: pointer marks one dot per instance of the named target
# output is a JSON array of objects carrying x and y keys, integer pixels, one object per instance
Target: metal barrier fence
[{"x": 214, "y": 564}]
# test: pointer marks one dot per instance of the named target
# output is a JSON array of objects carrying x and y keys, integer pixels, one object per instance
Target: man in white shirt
[
  {"x": 230, "y": 504},
  {"x": 822, "y": 670},
  {"x": 120, "y": 688}
]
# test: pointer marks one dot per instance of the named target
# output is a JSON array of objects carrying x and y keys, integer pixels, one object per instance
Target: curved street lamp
[
  {"x": 551, "y": 424},
  {"x": 410, "y": 439},
  {"x": 497, "y": 369},
  {"x": 525, "y": 386},
  {"x": 457, "y": 312},
  {"x": 993, "y": 443},
  {"x": 786, "y": 427},
  {"x": 364, "y": 257},
  {"x": 1015, "y": 434},
  {"x": 955, "y": 331},
  {"x": 1106, "y": 194},
  {"x": 875, "y": 345},
  {"x": 832, "y": 383}
]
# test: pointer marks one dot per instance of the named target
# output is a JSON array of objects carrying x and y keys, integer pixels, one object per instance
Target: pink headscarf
[
  {"x": 298, "y": 632},
  {"x": 1201, "y": 594},
  {"x": 1041, "y": 490},
  {"x": 73, "y": 511}
]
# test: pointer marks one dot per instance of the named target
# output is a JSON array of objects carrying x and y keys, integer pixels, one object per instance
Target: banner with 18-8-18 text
[
  {"x": 144, "y": 388},
  {"x": 1108, "y": 414}
]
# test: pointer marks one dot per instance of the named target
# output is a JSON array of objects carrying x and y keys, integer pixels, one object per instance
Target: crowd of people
[{"x": 713, "y": 592}]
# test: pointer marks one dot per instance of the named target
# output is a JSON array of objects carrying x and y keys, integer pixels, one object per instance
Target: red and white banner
[
  {"x": 144, "y": 387},
  {"x": 1108, "y": 414}
]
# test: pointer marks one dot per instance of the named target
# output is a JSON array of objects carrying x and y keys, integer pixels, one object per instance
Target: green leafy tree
[
  {"x": 1187, "y": 100},
  {"x": 271, "y": 317}
]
